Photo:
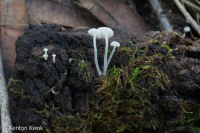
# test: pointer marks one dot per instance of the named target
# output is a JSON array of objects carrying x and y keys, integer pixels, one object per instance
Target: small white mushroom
[
  {"x": 45, "y": 56},
  {"x": 186, "y": 29},
  {"x": 45, "y": 50},
  {"x": 96, "y": 34},
  {"x": 114, "y": 44},
  {"x": 105, "y": 33},
  {"x": 54, "y": 58},
  {"x": 70, "y": 61}
]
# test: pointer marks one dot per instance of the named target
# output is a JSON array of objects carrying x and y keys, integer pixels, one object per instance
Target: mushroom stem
[
  {"x": 110, "y": 57},
  {"x": 45, "y": 50},
  {"x": 95, "y": 55},
  {"x": 106, "y": 55},
  {"x": 54, "y": 58},
  {"x": 45, "y": 56}
]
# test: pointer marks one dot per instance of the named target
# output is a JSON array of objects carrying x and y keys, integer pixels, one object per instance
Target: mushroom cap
[
  {"x": 187, "y": 29},
  {"x": 53, "y": 55},
  {"x": 45, "y": 49},
  {"x": 106, "y": 30},
  {"x": 115, "y": 44},
  {"x": 94, "y": 32},
  {"x": 45, "y": 56}
]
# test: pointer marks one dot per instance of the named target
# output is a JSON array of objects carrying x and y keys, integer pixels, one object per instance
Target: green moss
[
  {"x": 41, "y": 57},
  {"x": 81, "y": 64},
  {"x": 125, "y": 50},
  {"x": 19, "y": 86},
  {"x": 123, "y": 103},
  {"x": 59, "y": 82},
  {"x": 82, "y": 69},
  {"x": 153, "y": 41}
]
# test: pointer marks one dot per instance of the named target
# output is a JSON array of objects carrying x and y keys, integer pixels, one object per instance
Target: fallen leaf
[
  {"x": 97, "y": 10},
  {"x": 56, "y": 11},
  {"x": 114, "y": 13}
]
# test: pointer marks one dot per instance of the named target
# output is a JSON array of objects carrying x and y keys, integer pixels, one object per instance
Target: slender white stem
[
  {"x": 110, "y": 57},
  {"x": 95, "y": 55},
  {"x": 45, "y": 56},
  {"x": 54, "y": 58},
  {"x": 105, "y": 55},
  {"x": 45, "y": 50}
]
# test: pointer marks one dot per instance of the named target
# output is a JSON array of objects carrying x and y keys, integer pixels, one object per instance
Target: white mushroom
[
  {"x": 114, "y": 44},
  {"x": 70, "y": 61},
  {"x": 96, "y": 34},
  {"x": 45, "y": 50},
  {"x": 186, "y": 29},
  {"x": 54, "y": 58},
  {"x": 45, "y": 56},
  {"x": 105, "y": 33}
]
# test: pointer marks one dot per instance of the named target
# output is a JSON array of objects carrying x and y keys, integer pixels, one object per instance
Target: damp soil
[{"x": 52, "y": 95}]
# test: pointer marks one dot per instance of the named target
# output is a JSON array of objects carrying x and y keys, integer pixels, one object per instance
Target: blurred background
[{"x": 134, "y": 16}]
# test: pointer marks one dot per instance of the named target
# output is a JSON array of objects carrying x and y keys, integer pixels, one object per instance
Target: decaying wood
[
  {"x": 188, "y": 17},
  {"x": 161, "y": 16},
  {"x": 178, "y": 85}
]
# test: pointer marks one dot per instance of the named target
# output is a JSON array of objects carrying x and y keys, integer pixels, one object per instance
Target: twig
[
  {"x": 187, "y": 16},
  {"x": 4, "y": 104},
  {"x": 198, "y": 2},
  {"x": 190, "y": 4},
  {"x": 160, "y": 14},
  {"x": 197, "y": 17}
]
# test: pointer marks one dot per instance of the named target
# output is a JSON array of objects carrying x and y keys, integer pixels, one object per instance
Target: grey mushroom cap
[
  {"x": 105, "y": 30},
  {"x": 114, "y": 43},
  {"x": 94, "y": 32}
]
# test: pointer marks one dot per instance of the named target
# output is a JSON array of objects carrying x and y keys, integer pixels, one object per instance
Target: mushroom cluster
[
  {"x": 105, "y": 33},
  {"x": 46, "y": 55}
]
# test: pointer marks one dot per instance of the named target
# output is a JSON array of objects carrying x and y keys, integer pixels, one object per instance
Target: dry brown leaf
[
  {"x": 100, "y": 13},
  {"x": 125, "y": 16},
  {"x": 115, "y": 14},
  {"x": 13, "y": 12},
  {"x": 59, "y": 12}
]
